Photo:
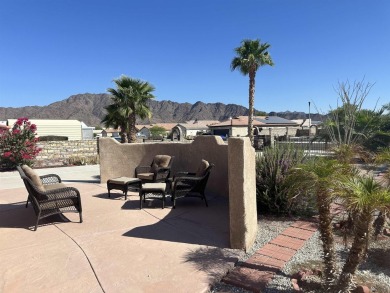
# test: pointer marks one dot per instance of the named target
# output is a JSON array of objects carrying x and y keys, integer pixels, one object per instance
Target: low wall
[
  {"x": 61, "y": 153},
  {"x": 232, "y": 176},
  {"x": 118, "y": 159}
]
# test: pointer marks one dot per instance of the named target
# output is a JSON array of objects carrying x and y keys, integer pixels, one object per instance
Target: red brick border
[{"x": 255, "y": 273}]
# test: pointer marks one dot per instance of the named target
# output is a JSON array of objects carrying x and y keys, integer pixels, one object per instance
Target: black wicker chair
[
  {"x": 158, "y": 171},
  {"x": 186, "y": 184},
  {"x": 49, "y": 196}
]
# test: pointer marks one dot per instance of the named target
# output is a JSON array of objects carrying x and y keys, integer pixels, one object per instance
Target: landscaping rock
[
  {"x": 362, "y": 289},
  {"x": 295, "y": 285}
]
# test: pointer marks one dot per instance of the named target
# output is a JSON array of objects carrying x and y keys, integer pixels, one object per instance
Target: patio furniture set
[{"x": 49, "y": 196}]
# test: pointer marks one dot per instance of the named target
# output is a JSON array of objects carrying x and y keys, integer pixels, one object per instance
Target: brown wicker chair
[
  {"x": 158, "y": 171},
  {"x": 186, "y": 184},
  {"x": 48, "y": 195}
]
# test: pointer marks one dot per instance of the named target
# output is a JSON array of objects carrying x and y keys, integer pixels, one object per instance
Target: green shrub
[{"x": 272, "y": 167}]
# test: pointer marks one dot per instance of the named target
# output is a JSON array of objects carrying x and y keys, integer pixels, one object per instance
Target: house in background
[
  {"x": 46, "y": 127},
  {"x": 144, "y": 130},
  {"x": 87, "y": 131},
  {"x": 238, "y": 126},
  {"x": 110, "y": 132},
  {"x": 265, "y": 128},
  {"x": 192, "y": 128},
  {"x": 309, "y": 126}
]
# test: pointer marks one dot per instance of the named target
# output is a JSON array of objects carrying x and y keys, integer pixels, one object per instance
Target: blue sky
[{"x": 50, "y": 50}]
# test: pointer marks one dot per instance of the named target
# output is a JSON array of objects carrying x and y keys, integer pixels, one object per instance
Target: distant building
[
  {"x": 69, "y": 128},
  {"x": 110, "y": 132},
  {"x": 307, "y": 124},
  {"x": 238, "y": 126},
  {"x": 87, "y": 131},
  {"x": 144, "y": 130},
  {"x": 192, "y": 128}
]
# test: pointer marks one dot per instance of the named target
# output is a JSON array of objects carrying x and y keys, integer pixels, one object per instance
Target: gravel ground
[{"x": 375, "y": 271}]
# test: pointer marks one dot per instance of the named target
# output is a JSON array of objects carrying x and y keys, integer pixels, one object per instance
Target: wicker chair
[
  {"x": 48, "y": 195},
  {"x": 186, "y": 184},
  {"x": 158, "y": 171}
]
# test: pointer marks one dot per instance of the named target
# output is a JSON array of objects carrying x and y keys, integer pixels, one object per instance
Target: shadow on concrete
[
  {"x": 213, "y": 261},
  {"x": 16, "y": 215},
  {"x": 191, "y": 222}
]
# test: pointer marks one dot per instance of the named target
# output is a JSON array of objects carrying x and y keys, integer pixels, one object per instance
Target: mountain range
[{"x": 90, "y": 108}]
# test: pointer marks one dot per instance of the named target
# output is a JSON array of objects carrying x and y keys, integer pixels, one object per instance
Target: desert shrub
[
  {"x": 18, "y": 145},
  {"x": 272, "y": 167},
  {"x": 53, "y": 138},
  {"x": 83, "y": 160}
]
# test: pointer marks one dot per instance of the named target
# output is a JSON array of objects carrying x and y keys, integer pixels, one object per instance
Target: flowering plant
[{"x": 18, "y": 145}]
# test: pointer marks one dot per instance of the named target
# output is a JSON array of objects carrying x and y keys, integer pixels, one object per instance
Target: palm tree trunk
[
  {"x": 132, "y": 130},
  {"x": 252, "y": 76},
  {"x": 326, "y": 232},
  {"x": 357, "y": 251},
  {"x": 123, "y": 134}
]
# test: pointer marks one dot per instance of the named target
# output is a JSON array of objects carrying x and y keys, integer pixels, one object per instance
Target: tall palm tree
[
  {"x": 130, "y": 99},
  {"x": 362, "y": 196},
  {"x": 251, "y": 55}
]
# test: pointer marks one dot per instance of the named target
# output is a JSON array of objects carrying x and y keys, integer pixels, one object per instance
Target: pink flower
[
  {"x": 33, "y": 127},
  {"x": 7, "y": 154},
  {"x": 26, "y": 157},
  {"x": 16, "y": 131}
]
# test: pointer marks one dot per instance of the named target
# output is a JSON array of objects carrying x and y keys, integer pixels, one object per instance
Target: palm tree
[
  {"x": 251, "y": 55},
  {"x": 362, "y": 197},
  {"x": 318, "y": 177},
  {"x": 130, "y": 100},
  {"x": 115, "y": 118}
]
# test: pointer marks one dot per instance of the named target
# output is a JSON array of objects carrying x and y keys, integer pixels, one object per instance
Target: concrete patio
[{"x": 118, "y": 247}]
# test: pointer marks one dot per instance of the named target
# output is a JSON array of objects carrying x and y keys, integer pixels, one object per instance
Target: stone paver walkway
[{"x": 255, "y": 273}]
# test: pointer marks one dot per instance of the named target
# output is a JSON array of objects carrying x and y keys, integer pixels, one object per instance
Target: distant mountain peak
[{"x": 90, "y": 108}]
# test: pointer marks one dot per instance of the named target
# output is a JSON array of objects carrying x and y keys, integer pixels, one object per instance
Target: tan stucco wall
[
  {"x": 118, "y": 159},
  {"x": 242, "y": 190},
  {"x": 233, "y": 174}
]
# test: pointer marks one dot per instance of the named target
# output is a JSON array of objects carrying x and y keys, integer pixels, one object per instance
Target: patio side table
[
  {"x": 153, "y": 188},
  {"x": 124, "y": 184}
]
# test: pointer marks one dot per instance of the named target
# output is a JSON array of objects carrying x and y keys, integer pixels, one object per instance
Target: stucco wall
[
  {"x": 242, "y": 188},
  {"x": 232, "y": 176},
  {"x": 118, "y": 159},
  {"x": 60, "y": 153}
]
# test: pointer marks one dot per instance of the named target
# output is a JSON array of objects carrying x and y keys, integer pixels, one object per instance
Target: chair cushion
[
  {"x": 124, "y": 180},
  {"x": 154, "y": 186},
  {"x": 54, "y": 186},
  {"x": 202, "y": 168},
  {"x": 34, "y": 177},
  {"x": 160, "y": 161},
  {"x": 145, "y": 176}
]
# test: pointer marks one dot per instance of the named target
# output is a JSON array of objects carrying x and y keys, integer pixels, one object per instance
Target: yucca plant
[{"x": 272, "y": 167}]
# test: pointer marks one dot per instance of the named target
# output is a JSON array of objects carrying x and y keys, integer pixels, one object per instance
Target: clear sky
[{"x": 52, "y": 49}]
